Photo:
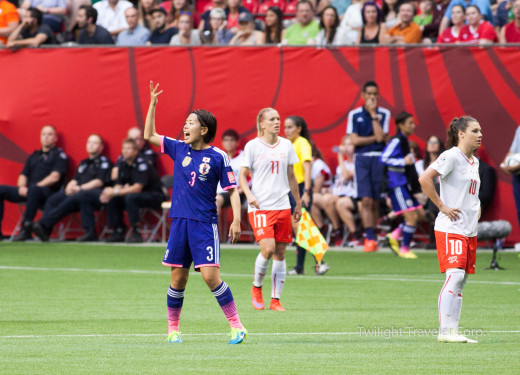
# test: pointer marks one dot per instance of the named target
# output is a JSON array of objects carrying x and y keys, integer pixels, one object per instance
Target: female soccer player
[
  {"x": 194, "y": 235},
  {"x": 456, "y": 224},
  {"x": 270, "y": 160}
]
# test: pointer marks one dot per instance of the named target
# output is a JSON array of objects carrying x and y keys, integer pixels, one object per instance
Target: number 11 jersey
[{"x": 268, "y": 165}]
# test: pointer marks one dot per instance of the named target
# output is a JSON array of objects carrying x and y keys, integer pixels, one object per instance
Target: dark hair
[
  {"x": 456, "y": 125},
  {"x": 427, "y": 158},
  {"x": 207, "y": 120},
  {"x": 231, "y": 133},
  {"x": 379, "y": 18},
  {"x": 474, "y": 6},
  {"x": 405, "y": 3},
  {"x": 158, "y": 10},
  {"x": 130, "y": 141},
  {"x": 416, "y": 150},
  {"x": 173, "y": 14},
  {"x": 90, "y": 12},
  {"x": 304, "y": 2},
  {"x": 300, "y": 123},
  {"x": 370, "y": 84},
  {"x": 460, "y": 6},
  {"x": 36, "y": 13},
  {"x": 401, "y": 118},
  {"x": 334, "y": 26},
  {"x": 279, "y": 26},
  {"x": 386, "y": 8},
  {"x": 316, "y": 152}
]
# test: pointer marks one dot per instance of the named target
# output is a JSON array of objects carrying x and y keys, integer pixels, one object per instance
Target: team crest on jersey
[
  {"x": 204, "y": 167},
  {"x": 452, "y": 259},
  {"x": 186, "y": 161}
]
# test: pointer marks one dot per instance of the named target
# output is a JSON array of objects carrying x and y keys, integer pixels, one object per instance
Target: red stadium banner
[{"x": 105, "y": 90}]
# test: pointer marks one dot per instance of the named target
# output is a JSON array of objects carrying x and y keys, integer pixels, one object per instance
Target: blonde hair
[{"x": 260, "y": 118}]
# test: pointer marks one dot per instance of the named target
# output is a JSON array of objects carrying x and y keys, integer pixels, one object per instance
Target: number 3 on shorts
[{"x": 210, "y": 256}]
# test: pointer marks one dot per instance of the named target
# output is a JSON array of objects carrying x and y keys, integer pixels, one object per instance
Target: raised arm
[{"x": 149, "y": 126}]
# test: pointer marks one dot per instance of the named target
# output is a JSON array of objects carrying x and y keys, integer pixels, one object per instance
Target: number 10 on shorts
[{"x": 455, "y": 246}]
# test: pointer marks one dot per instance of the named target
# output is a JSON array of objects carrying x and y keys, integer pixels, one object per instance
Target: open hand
[{"x": 154, "y": 93}]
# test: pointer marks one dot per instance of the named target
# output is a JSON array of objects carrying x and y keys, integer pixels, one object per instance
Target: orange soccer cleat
[
  {"x": 258, "y": 300},
  {"x": 276, "y": 305},
  {"x": 370, "y": 246}
]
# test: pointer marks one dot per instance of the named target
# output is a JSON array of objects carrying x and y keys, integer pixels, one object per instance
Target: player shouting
[
  {"x": 270, "y": 160},
  {"x": 194, "y": 235},
  {"x": 456, "y": 224}
]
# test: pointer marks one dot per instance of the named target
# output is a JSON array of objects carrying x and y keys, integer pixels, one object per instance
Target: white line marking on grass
[
  {"x": 204, "y": 334},
  {"x": 165, "y": 272}
]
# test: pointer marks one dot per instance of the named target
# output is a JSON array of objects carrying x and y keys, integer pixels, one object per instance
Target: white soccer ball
[{"x": 513, "y": 160}]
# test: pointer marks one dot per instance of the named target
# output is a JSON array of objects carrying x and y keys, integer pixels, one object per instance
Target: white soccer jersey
[
  {"x": 268, "y": 165},
  {"x": 318, "y": 168},
  {"x": 460, "y": 184},
  {"x": 343, "y": 188}
]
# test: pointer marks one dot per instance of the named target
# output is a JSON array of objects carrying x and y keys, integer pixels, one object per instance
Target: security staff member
[
  {"x": 137, "y": 186},
  {"x": 43, "y": 174},
  {"x": 81, "y": 194}
]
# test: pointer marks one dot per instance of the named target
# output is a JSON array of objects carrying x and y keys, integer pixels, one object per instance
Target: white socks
[
  {"x": 450, "y": 299},
  {"x": 277, "y": 278},
  {"x": 261, "y": 265}
]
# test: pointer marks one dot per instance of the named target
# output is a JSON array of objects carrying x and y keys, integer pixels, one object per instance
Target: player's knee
[{"x": 131, "y": 198}]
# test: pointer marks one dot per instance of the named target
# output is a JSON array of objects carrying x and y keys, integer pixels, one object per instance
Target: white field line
[
  {"x": 165, "y": 272},
  {"x": 360, "y": 333}
]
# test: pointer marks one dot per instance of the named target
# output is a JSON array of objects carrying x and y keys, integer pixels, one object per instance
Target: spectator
[
  {"x": 341, "y": 6},
  {"x": 145, "y": 152},
  {"x": 42, "y": 175},
  {"x": 217, "y": 32},
  {"x": 80, "y": 194},
  {"x": 174, "y": 9},
  {"x": 368, "y": 126},
  {"x": 510, "y": 33},
  {"x": 137, "y": 186},
  {"x": 371, "y": 29},
  {"x": 234, "y": 10},
  {"x": 53, "y": 12},
  {"x": 90, "y": 32},
  {"x": 204, "y": 19},
  {"x": 111, "y": 15},
  {"x": 406, "y": 31},
  {"x": 426, "y": 15},
  {"x": 320, "y": 172},
  {"x": 352, "y": 21},
  {"x": 431, "y": 31},
  {"x": 274, "y": 30},
  {"x": 477, "y": 31},
  {"x": 72, "y": 16},
  {"x": 434, "y": 147},
  {"x": 8, "y": 20},
  {"x": 483, "y": 6},
  {"x": 145, "y": 8},
  {"x": 330, "y": 34},
  {"x": 246, "y": 34},
  {"x": 230, "y": 142},
  {"x": 502, "y": 13},
  {"x": 161, "y": 34},
  {"x": 186, "y": 35},
  {"x": 305, "y": 28},
  {"x": 31, "y": 32},
  {"x": 390, "y": 8},
  {"x": 451, "y": 34},
  {"x": 135, "y": 35}
]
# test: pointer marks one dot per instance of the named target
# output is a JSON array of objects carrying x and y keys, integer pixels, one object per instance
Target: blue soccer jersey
[
  {"x": 360, "y": 122},
  {"x": 196, "y": 175}
]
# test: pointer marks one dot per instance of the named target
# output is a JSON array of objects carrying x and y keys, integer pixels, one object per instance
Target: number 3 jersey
[
  {"x": 268, "y": 165},
  {"x": 460, "y": 184},
  {"x": 196, "y": 175}
]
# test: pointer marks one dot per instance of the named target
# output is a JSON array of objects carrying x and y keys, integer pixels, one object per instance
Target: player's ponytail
[
  {"x": 456, "y": 125},
  {"x": 260, "y": 118},
  {"x": 300, "y": 123}
]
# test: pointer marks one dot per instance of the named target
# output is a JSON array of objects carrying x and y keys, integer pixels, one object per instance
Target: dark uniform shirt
[
  {"x": 146, "y": 153},
  {"x": 164, "y": 37},
  {"x": 43, "y": 29},
  {"x": 100, "y": 36},
  {"x": 40, "y": 164},
  {"x": 91, "y": 169},
  {"x": 139, "y": 172}
]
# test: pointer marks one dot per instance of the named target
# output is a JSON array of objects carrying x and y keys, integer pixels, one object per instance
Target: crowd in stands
[
  {"x": 355, "y": 206},
  {"x": 257, "y": 22}
]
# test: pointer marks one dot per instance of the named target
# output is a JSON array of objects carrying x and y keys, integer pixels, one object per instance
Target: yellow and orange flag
[{"x": 309, "y": 237}]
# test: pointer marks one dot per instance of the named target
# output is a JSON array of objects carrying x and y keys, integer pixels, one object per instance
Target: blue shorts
[
  {"x": 192, "y": 241},
  {"x": 402, "y": 200},
  {"x": 368, "y": 176}
]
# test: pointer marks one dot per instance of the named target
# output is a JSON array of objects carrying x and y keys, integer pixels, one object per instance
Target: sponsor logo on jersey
[
  {"x": 186, "y": 161},
  {"x": 63, "y": 155},
  {"x": 260, "y": 231},
  {"x": 452, "y": 259},
  {"x": 231, "y": 177},
  {"x": 104, "y": 165},
  {"x": 409, "y": 203},
  {"x": 142, "y": 167}
]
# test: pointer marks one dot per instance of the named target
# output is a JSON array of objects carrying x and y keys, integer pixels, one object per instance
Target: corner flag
[{"x": 309, "y": 236}]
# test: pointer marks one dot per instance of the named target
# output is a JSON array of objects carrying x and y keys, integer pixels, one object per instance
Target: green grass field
[{"x": 85, "y": 309}]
